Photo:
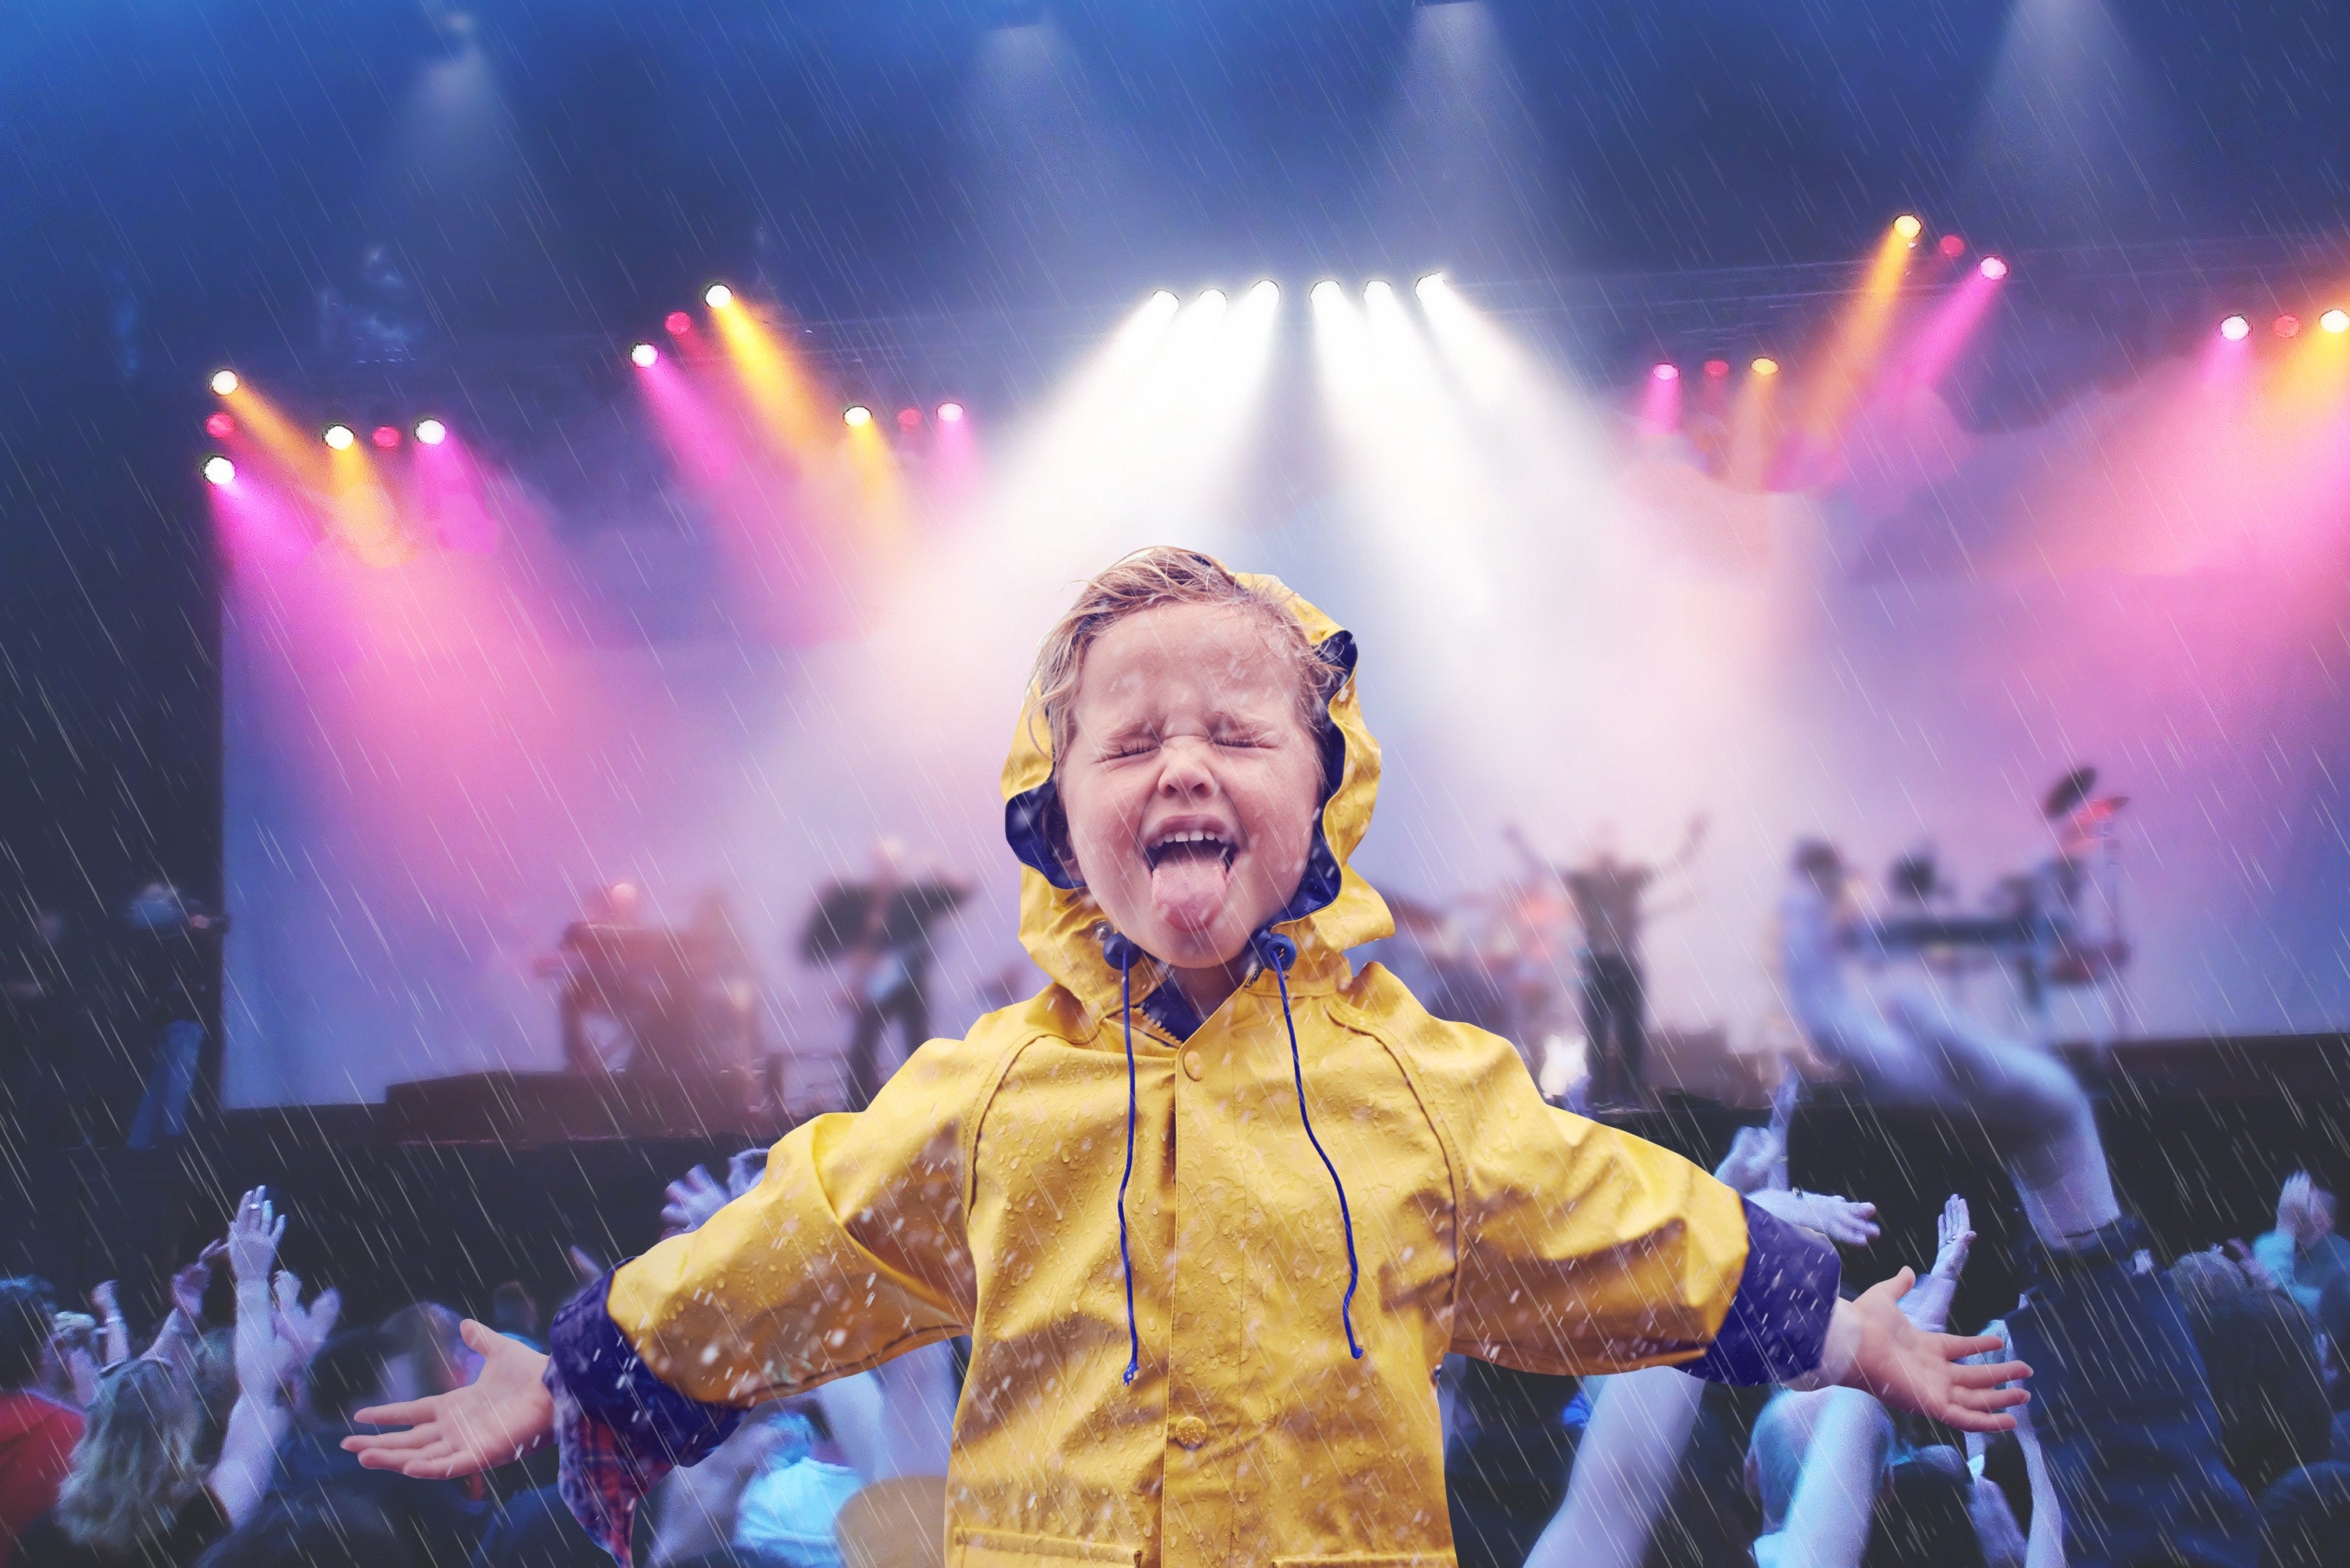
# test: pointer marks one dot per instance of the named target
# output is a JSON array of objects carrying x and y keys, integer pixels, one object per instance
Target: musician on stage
[{"x": 877, "y": 935}]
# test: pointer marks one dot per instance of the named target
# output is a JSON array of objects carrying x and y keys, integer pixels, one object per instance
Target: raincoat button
[
  {"x": 1188, "y": 1431},
  {"x": 1193, "y": 1067}
]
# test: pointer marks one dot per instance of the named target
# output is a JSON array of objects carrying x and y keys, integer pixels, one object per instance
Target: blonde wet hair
[
  {"x": 136, "y": 1464},
  {"x": 1158, "y": 576}
]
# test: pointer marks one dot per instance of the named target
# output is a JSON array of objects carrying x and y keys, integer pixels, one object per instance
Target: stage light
[
  {"x": 221, "y": 424},
  {"x": 2235, "y": 329},
  {"x": 1379, "y": 291},
  {"x": 339, "y": 437},
  {"x": 1909, "y": 227},
  {"x": 1164, "y": 300},
  {"x": 432, "y": 432},
  {"x": 1213, "y": 298},
  {"x": 644, "y": 356},
  {"x": 1326, "y": 292},
  {"x": 1717, "y": 368},
  {"x": 2287, "y": 326},
  {"x": 1667, "y": 371},
  {"x": 718, "y": 296},
  {"x": 224, "y": 383},
  {"x": 857, "y": 416},
  {"x": 1429, "y": 284},
  {"x": 910, "y": 419},
  {"x": 1952, "y": 246},
  {"x": 1992, "y": 268},
  {"x": 1266, "y": 290},
  {"x": 2335, "y": 321},
  {"x": 219, "y": 470},
  {"x": 1765, "y": 366},
  {"x": 950, "y": 413},
  {"x": 385, "y": 437},
  {"x": 678, "y": 322}
]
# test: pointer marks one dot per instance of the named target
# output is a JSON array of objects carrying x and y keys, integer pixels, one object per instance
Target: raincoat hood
[{"x": 1334, "y": 907}]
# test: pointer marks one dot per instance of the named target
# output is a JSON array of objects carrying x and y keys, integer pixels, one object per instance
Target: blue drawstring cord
[
  {"x": 1278, "y": 953},
  {"x": 1122, "y": 952}
]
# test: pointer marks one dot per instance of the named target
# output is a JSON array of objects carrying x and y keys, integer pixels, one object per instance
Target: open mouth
[
  {"x": 1191, "y": 875},
  {"x": 1197, "y": 847}
]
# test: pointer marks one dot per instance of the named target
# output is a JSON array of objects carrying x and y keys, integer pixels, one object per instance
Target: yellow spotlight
[
  {"x": 1908, "y": 227},
  {"x": 2335, "y": 321},
  {"x": 1326, "y": 292},
  {"x": 858, "y": 416},
  {"x": 1765, "y": 366},
  {"x": 718, "y": 296},
  {"x": 1429, "y": 284},
  {"x": 224, "y": 383},
  {"x": 339, "y": 437}
]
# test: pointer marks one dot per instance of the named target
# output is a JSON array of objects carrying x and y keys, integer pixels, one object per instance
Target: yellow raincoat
[{"x": 979, "y": 1195}]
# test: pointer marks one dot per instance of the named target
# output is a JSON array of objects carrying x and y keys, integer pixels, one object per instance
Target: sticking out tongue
[{"x": 1188, "y": 883}]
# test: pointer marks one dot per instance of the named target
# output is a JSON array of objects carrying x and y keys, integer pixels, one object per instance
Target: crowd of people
[{"x": 2195, "y": 1413}]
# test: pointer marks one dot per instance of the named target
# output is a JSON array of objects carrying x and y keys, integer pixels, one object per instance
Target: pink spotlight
[
  {"x": 1667, "y": 371},
  {"x": 678, "y": 323},
  {"x": 219, "y": 471},
  {"x": 2235, "y": 329},
  {"x": 1717, "y": 369},
  {"x": 910, "y": 419},
  {"x": 432, "y": 432},
  {"x": 1952, "y": 246},
  {"x": 1992, "y": 268},
  {"x": 644, "y": 356},
  {"x": 950, "y": 413},
  {"x": 2287, "y": 326},
  {"x": 222, "y": 425},
  {"x": 385, "y": 437}
]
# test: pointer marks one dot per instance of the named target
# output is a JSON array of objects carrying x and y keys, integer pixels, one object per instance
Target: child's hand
[
  {"x": 498, "y": 1418},
  {"x": 1872, "y": 1347}
]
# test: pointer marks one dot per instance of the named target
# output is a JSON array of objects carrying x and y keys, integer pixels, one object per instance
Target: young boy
[{"x": 1211, "y": 1206}]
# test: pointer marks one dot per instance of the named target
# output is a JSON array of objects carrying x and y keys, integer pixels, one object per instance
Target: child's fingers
[
  {"x": 412, "y": 1413},
  {"x": 1990, "y": 1376}
]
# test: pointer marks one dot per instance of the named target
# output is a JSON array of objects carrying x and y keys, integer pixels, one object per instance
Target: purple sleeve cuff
[
  {"x": 621, "y": 1427},
  {"x": 1777, "y": 1329}
]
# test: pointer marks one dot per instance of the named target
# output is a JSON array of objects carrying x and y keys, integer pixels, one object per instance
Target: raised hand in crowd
[
  {"x": 1844, "y": 1220},
  {"x": 1929, "y": 1305},
  {"x": 586, "y": 1267},
  {"x": 301, "y": 1330},
  {"x": 114, "y": 1336},
  {"x": 72, "y": 1361},
  {"x": 2240, "y": 1252},
  {"x": 254, "y": 1233},
  {"x": 693, "y": 1198}
]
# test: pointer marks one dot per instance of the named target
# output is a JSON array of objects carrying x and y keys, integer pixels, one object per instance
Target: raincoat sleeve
[
  {"x": 1583, "y": 1249},
  {"x": 850, "y": 1251}
]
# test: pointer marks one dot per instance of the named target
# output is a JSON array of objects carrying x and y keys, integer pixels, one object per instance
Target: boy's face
[{"x": 1190, "y": 787}]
